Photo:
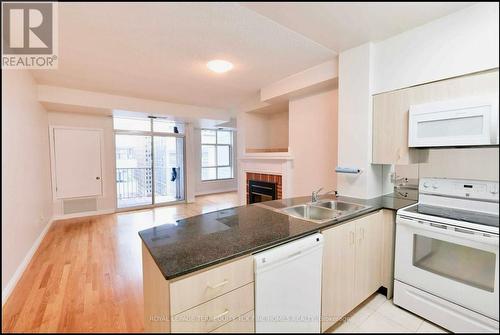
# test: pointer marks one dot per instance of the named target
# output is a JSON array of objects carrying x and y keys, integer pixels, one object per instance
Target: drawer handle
[
  {"x": 226, "y": 312},
  {"x": 219, "y": 284}
]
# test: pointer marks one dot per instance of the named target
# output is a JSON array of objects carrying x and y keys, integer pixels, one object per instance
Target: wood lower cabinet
[
  {"x": 368, "y": 256},
  {"x": 338, "y": 273},
  {"x": 352, "y": 266},
  {"x": 215, "y": 313},
  {"x": 388, "y": 240},
  {"x": 357, "y": 260},
  {"x": 211, "y": 300},
  {"x": 242, "y": 325}
]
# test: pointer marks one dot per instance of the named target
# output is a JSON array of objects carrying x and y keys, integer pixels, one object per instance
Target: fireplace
[
  {"x": 263, "y": 187},
  {"x": 260, "y": 191}
]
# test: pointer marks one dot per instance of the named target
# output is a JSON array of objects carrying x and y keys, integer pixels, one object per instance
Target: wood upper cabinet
[
  {"x": 390, "y": 128},
  {"x": 352, "y": 268},
  {"x": 391, "y": 109}
]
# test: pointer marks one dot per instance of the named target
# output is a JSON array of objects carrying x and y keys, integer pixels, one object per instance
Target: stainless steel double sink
[{"x": 323, "y": 211}]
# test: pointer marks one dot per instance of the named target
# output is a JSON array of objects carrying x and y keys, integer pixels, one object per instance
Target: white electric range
[{"x": 446, "y": 254}]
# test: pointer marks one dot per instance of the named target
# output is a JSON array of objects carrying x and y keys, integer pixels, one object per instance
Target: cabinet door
[
  {"x": 338, "y": 273},
  {"x": 391, "y": 109},
  {"x": 387, "y": 268},
  {"x": 368, "y": 260},
  {"x": 390, "y": 128},
  {"x": 77, "y": 162}
]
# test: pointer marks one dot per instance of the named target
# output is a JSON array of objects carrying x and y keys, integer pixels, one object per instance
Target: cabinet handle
[
  {"x": 351, "y": 237},
  {"x": 97, "y": 178},
  {"x": 226, "y": 311},
  {"x": 219, "y": 284},
  {"x": 361, "y": 236}
]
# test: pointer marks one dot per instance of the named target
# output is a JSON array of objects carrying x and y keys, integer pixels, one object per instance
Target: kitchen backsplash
[{"x": 466, "y": 163}]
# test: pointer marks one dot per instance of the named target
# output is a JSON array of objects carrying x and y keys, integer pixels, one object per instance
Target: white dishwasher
[{"x": 288, "y": 287}]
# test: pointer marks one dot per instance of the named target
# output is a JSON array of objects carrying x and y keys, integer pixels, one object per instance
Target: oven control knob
[
  {"x": 426, "y": 185},
  {"x": 494, "y": 189},
  {"x": 435, "y": 186}
]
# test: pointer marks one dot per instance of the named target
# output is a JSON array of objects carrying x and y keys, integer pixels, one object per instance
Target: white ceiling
[
  {"x": 343, "y": 25},
  {"x": 159, "y": 50}
]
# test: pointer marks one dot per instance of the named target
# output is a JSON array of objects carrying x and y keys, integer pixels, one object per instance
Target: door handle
[
  {"x": 219, "y": 284},
  {"x": 226, "y": 312},
  {"x": 361, "y": 233}
]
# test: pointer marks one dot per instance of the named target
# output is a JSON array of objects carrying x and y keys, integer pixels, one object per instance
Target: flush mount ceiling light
[{"x": 219, "y": 65}]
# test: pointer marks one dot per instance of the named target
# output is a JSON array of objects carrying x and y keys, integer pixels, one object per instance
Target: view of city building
[{"x": 148, "y": 165}]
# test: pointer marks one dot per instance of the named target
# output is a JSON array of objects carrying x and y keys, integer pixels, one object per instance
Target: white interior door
[{"x": 77, "y": 159}]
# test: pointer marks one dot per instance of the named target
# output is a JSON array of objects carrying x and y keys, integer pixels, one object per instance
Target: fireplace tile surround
[
  {"x": 269, "y": 178},
  {"x": 265, "y": 167}
]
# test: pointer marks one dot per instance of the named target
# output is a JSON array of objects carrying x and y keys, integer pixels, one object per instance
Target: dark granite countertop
[{"x": 204, "y": 240}]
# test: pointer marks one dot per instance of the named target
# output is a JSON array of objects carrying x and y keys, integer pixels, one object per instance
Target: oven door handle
[{"x": 463, "y": 233}]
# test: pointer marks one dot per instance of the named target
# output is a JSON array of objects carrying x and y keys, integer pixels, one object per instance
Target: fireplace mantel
[
  {"x": 269, "y": 163},
  {"x": 287, "y": 156}
]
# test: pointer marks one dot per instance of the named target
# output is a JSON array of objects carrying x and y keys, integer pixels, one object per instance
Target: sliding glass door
[
  {"x": 149, "y": 164},
  {"x": 168, "y": 169},
  {"x": 133, "y": 170}
]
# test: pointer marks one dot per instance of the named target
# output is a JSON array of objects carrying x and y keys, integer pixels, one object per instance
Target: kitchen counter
[{"x": 204, "y": 240}]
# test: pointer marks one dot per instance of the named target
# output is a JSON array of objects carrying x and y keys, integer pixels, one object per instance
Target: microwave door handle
[
  {"x": 443, "y": 229},
  {"x": 494, "y": 128}
]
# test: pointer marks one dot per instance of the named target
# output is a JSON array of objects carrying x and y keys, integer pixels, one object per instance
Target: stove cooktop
[{"x": 455, "y": 214}]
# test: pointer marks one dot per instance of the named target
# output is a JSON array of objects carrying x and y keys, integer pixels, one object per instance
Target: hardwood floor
[{"x": 86, "y": 275}]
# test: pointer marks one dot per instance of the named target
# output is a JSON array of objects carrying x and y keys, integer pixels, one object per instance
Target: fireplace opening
[{"x": 260, "y": 191}]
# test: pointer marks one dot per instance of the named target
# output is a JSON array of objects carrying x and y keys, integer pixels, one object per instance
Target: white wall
[
  {"x": 216, "y": 186},
  {"x": 313, "y": 142},
  {"x": 60, "y": 98},
  {"x": 278, "y": 130},
  {"x": 457, "y": 44},
  {"x": 190, "y": 160},
  {"x": 303, "y": 82},
  {"x": 355, "y": 124},
  {"x": 266, "y": 130},
  {"x": 108, "y": 201},
  {"x": 26, "y": 193}
]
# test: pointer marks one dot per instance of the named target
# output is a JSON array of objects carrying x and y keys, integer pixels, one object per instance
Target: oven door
[{"x": 457, "y": 264}]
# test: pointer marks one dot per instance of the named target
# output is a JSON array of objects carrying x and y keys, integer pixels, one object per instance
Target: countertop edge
[{"x": 266, "y": 246}]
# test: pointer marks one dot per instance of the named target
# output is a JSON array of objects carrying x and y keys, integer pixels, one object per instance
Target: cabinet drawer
[
  {"x": 243, "y": 324},
  {"x": 215, "y": 313},
  {"x": 199, "y": 288}
]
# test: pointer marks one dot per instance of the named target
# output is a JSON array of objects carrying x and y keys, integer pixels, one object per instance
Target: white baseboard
[
  {"x": 81, "y": 215},
  {"x": 24, "y": 264},
  {"x": 221, "y": 190}
]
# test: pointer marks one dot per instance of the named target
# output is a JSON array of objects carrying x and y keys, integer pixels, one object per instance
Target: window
[
  {"x": 154, "y": 124},
  {"x": 216, "y": 154}
]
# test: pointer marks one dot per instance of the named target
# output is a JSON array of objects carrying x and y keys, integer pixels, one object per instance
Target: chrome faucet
[{"x": 315, "y": 194}]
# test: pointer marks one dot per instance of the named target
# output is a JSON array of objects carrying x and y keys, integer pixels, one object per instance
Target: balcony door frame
[{"x": 152, "y": 134}]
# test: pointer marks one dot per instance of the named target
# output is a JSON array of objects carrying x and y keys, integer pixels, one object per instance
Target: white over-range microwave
[{"x": 471, "y": 121}]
